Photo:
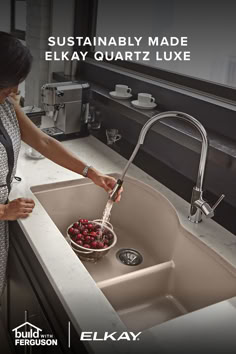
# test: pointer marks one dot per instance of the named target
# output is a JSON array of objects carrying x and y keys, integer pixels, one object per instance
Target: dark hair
[{"x": 15, "y": 61}]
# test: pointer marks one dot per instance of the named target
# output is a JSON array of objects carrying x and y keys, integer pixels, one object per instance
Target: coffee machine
[{"x": 67, "y": 104}]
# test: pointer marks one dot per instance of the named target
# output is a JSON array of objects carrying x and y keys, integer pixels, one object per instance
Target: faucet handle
[
  {"x": 218, "y": 202},
  {"x": 116, "y": 189},
  {"x": 205, "y": 208}
]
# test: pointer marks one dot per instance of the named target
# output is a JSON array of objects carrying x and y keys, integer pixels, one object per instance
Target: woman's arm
[{"x": 56, "y": 152}]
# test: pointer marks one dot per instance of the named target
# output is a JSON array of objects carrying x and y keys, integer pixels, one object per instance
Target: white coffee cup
[
  {"x": 122, "y": 90},
  {"x": 112, "y": 136},
  {"x": 145, "y": 98},
  {"x": 34, "y": 154}
]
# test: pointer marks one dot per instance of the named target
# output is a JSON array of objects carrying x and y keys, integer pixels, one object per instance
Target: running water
[{"x": 106, "y": 213}]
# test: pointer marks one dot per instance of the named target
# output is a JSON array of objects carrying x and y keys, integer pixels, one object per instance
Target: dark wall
[
  {"x": 171, "y": 151},
  {"x": 215, "y": 114},
  {"x": 173, "y": 163}
]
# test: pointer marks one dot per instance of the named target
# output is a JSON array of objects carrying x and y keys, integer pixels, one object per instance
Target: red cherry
[
  {"x": 79, "y": 236},
  {"x": 87, "y": 239},
  {"x": 93, "y": 244},
  {"x": 100, "y": 244},
  {"x": 79, "y": 242},
  {"x": 90, "y": 235},
  {"x": 86, "y": 245},
  {"x": 110, "y": 236},
  {"x": 71, "y": 231}
]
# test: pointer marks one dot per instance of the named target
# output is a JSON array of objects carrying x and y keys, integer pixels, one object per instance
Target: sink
[
  {"x": 143, "y": 299},
  {"x": 193, "y": 279},
  {"x": 155, "y": 239},
  {"x": 178, "y": 273}
]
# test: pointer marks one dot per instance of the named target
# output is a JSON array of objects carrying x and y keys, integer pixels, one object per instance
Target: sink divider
[
  {"x": 142, "y": 298},
  {"x": 157, "y": 268}
]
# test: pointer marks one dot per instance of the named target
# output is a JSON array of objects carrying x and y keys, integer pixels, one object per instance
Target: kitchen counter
[{"x": 68, "y": 275}]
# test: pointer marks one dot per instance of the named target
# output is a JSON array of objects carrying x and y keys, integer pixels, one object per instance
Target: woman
[{"x": 15, "y": 64}]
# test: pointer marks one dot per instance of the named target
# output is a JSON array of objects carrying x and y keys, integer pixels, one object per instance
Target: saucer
[
  {"x": 137, "y": 104},
  {"x": 33, "y": 154},
  {"x": 114, "y": 94}
]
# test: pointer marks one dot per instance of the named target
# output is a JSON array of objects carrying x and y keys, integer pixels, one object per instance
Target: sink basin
[
  {"x": 144, "y": 299},
  {"x": 178, "y": 273},
  {"x": 137, "y": 220}
]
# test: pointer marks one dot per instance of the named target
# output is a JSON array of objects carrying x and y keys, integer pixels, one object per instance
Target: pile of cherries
[{"x": 89, "y": 235}]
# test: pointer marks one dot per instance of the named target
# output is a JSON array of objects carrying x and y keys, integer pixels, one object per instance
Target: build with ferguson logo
[{"x": 29, "y": 334}]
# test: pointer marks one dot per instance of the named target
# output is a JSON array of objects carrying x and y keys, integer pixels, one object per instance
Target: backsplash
[{"x": 173, "y": 164}]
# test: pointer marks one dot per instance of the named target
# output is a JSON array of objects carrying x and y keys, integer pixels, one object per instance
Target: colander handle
[{"x": 99, "y": 221}]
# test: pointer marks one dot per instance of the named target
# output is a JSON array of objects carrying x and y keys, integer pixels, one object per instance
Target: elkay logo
[
  {"x": 115, "y": 336},
  {"x": 28, "y": 334}
]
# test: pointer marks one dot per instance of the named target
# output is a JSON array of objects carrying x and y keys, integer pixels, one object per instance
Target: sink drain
[{"x": 129, "y": 256}]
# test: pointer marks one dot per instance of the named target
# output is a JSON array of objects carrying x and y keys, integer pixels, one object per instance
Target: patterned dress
[{"x": 10, "y": 141}]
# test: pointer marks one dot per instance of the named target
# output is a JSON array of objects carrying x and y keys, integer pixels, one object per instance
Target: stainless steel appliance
[{"x": 67, "y": 103}]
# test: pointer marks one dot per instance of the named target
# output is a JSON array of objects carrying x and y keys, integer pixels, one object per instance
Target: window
[{"x": 18, "y": 18}]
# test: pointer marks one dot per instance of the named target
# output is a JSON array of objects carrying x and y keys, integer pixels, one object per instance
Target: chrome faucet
[{"x": 198, "y": 204}]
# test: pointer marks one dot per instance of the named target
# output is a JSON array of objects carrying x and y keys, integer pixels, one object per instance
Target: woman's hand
[
  {"x": 18, "y": 208},
  {"x": 104, "y": 181},
  {"x": 14, "y": 97}
]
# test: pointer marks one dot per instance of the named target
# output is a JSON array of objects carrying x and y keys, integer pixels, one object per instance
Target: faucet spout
[
  {"x": 189, "y": 119},
  {"x": 198, "y": 205}
]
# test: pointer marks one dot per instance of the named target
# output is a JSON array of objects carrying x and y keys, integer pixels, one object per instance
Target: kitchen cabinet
[{"x": 30, "y": 297}]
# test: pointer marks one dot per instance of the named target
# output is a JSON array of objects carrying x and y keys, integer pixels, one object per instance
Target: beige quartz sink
[{"x": 179, "y": 273}]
